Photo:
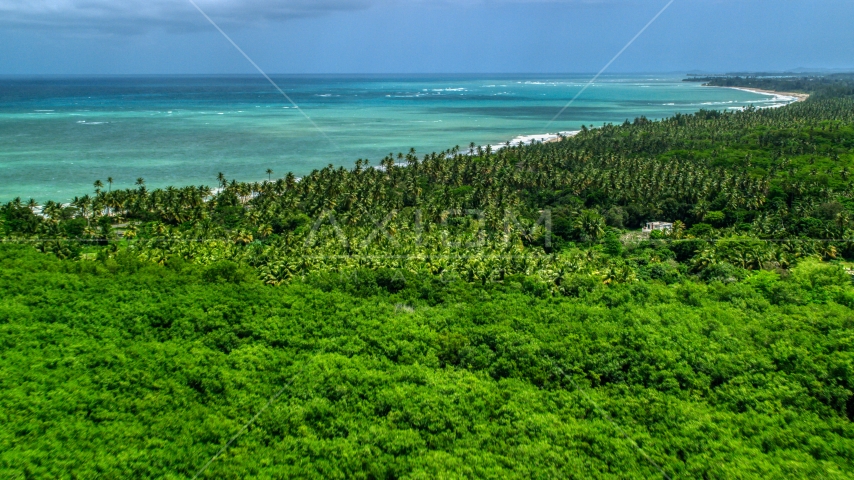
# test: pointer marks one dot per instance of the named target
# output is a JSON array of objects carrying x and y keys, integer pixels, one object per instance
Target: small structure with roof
[{"x": 659, "y": 226}]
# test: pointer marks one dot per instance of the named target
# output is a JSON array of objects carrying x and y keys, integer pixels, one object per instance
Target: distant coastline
[
  {"x": 790, "y": 97},
  {"x": 799, "y": 97},
  {"x": 785, "y": 97}
]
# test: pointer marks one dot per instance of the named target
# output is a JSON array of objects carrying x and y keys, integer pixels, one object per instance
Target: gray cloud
[{"x": 134, "y": 16}]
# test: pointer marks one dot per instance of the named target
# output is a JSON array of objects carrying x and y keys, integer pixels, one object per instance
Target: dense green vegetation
[
  {"x": 830, "y": 86},
  {"x": 126, "y": 369},
  {"x": 780, "y": 175},
  {"x": 464, "y": 313}
]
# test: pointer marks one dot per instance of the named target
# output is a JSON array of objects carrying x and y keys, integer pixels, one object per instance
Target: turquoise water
[{"x": 58, "y": 135}]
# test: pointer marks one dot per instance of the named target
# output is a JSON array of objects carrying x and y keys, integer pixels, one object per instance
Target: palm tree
[
  {"x": 110, "y": 182},
  {"x": 590, "y": 224},
  {"x": 83, "y": 203},
  {"x": 678, "y": 230},
  {"x": 265, "y": 230},
  {"x": 269, "y": 174},
  {"x": 243, "y": 237},
  {"x": 98, "y": 186},
  {"x": 131, "y": 231}
]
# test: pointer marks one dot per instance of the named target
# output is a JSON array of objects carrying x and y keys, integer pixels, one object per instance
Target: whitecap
[
  {"x": 542, "y": 137},
  {"x": 719, "y": 103}
]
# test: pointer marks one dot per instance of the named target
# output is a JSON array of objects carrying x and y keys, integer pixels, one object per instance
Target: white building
[{"x": 660, "y": 226}]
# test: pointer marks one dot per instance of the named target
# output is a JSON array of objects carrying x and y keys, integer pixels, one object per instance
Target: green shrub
[
  {"x": 723, "y": 272},
  {"x": 225, "y": 271}
]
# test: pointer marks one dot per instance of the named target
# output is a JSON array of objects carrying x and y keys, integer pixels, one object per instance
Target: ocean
[{"x": 60, "y": 134}]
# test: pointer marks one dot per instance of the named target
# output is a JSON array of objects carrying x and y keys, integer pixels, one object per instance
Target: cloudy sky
[{"x": 422, "y": 36}]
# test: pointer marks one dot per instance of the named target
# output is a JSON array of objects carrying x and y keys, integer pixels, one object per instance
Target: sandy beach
[{"x": 799, "y": 97}]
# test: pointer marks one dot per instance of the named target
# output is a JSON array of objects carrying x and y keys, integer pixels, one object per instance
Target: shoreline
[
  {"x": 799, "y": 97},
  {"x": 783, "y": 98},
  {"x": 540, "y": 137}
]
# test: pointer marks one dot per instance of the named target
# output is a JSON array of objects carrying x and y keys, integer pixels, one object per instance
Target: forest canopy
[{"x": 466, "y": 313}]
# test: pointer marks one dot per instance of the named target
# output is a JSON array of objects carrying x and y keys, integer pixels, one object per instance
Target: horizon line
[{"x": 208, "y": 74}]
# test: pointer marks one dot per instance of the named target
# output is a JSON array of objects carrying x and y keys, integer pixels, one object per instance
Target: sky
[{"x": 422, "y": 36}]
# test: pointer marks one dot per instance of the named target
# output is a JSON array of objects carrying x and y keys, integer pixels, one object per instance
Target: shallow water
[{"x": 58, "y": 135}]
